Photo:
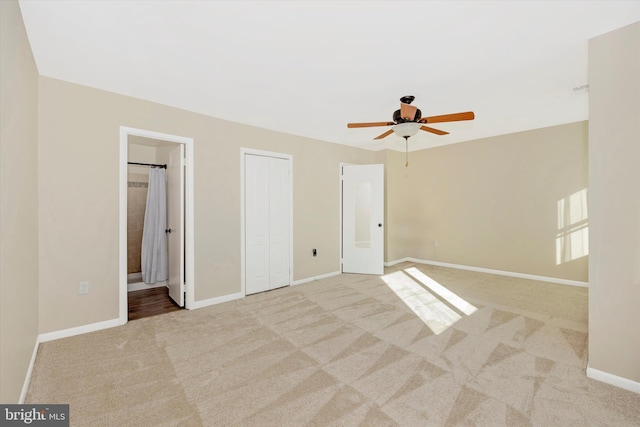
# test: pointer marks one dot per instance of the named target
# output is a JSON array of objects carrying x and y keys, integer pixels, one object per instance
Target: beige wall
[
  {"x": 18, "y": 203},
  {"x": 614, "y": 177},
  {"x": 397, "y": 196},
  {"x": 494, "y": 203},
  {"x": 141, "y": 154},
  {"x": 79, "y": 199},
  {"x": 137, "y": 186},
  {"x": 490, "y": 203}
]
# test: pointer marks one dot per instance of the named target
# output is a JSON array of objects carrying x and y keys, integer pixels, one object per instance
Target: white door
[
  {"x": 362, "y": 219},
  {"x": 267, "y": 223},
  {"x": 175, "y": 223},
  {"x": 279, "y": 223}
]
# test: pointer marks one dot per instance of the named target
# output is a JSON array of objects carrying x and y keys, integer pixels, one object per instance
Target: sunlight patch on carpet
[
  {"x": 435, "y": 305},
  {"x": 433, "y": 312},
  {"x": 444, "y": 293}
]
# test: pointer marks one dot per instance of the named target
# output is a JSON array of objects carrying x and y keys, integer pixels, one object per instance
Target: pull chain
[{"x": 406, "y": 151}]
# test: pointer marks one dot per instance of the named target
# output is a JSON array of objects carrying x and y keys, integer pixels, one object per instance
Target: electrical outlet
[
  {"x": 83, "y": 289},
  {"x": 315, "y": 252},
  {"x": 435, "y": 243}
]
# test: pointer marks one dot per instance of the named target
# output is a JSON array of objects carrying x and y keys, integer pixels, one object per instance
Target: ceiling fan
[{"x": 408, "y": 120}]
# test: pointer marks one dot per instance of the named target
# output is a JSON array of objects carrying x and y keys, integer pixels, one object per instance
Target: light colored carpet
[{"x": 465, "y": 348}]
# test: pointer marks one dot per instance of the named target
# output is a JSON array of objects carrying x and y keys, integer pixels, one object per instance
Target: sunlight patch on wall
[
  {"x": 572, "y": 241},
  {"x": 437, "y": 315}
]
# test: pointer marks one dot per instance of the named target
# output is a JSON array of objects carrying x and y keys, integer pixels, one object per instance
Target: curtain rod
[{"x": 148, "y": 164}]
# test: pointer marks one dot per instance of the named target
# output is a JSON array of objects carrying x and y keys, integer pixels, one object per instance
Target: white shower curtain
[{"x": 154, "y": 239}]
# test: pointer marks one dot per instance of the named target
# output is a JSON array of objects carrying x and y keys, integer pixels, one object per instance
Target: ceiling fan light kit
[
  {"x": 408, "y": 120},
  {"x": 406, "y": 129}
]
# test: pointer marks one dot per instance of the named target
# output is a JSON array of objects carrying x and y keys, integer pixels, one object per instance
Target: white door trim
[
  {"x": 125, "y": 132},
  {"x": 340, "y": 166},
  {"x": 289, "y": 157}
]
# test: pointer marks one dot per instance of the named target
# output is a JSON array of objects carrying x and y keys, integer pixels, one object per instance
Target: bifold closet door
[{"x": 267, "y": 223}]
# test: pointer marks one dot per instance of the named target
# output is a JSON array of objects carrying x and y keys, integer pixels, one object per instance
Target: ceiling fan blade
[
  {"x": 408, "y": 111},
  {"x": 387, "y": 133},
  {"x": 432, "y": 130},
  {"x": 456, "y": 117},
  {"x": 367, "y": 125}
]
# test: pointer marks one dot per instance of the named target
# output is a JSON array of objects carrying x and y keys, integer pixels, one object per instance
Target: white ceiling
[{"x": 309, "y": 67}]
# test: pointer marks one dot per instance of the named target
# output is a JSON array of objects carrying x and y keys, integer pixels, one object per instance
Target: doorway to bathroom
[{"x": 156, "y": 261}]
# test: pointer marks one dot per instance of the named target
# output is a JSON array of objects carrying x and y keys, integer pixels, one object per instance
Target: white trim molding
[
  {"x": 398, "y": 261},
  {"x": 217, "y": 300},
  {"x": 139, "y": 286},
  {"x": 614, "y": 380},
  {"x": 79, "y": 330},
  {"x": 189, "y": 248},
  {"x": 240, "y": 295},
  {"x": 27, "y": 378},
  {"x": 51, "y": 336},
  {"x": 490, "y": 271},
  {"x": 320, "y": 277}
]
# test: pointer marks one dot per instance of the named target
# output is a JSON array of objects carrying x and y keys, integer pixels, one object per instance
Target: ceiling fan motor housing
[{"x": 397, "y": 117}]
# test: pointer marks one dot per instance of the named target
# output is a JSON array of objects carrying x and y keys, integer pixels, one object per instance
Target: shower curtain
[{"x": 154, "y": 239}]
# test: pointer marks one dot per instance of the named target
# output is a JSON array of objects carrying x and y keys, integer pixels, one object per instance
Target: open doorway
[{"x": 156, "y": 181}]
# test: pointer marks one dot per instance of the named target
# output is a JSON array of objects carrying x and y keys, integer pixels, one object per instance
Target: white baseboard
[
  {"x": 141, "y": 286},
  {"x": 231, "y": 297},
  {"x": 490, "y": 271},
  {"x": 134, "y": 277},
  {"x": 92, "y": 327},
  {"x": 311, "y": 279},
  {"x": 27, "y": 378},
  {"x": 217, "y": 300},
  {"x": 614, "y": 380},
  {"x": 397, "y": 261},
  {"x": 50, "y": 336}
]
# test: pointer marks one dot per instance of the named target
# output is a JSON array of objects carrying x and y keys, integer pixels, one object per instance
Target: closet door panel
[
  {"x": 279, "y": 223},
  {"x": 257, "y": 224}
]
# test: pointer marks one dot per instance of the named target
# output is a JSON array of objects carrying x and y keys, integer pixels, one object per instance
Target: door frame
[
  {"x": 243, "y": 262},
  {"x": 189, "y": 246},
  {"x": 341, "y": 165}
]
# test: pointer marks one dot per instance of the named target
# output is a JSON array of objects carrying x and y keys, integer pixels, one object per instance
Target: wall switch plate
[{"x": 83, "y": 289}]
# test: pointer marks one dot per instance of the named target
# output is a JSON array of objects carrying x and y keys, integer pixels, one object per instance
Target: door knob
[
  {"x": 379, "y": 225},
  {"x": 168, "y": 230}
]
